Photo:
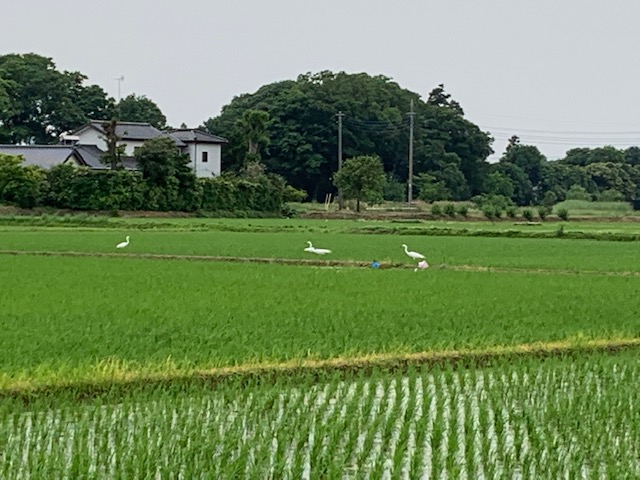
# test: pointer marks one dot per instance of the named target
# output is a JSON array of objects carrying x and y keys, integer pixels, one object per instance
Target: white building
[{"x": 204, "y": 149}]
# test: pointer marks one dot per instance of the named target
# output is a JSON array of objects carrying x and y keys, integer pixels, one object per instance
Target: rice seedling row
[
  {"x": 78, "y": 319},
  {"x": 561, "y": 418}
]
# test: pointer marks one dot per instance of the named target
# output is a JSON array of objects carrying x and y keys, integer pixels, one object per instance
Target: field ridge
[
  {"x": 318, "y": 262},
  {"x": 109, "y": 374}
]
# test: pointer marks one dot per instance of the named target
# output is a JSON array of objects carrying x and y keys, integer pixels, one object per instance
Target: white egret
[
  {"x": 123, "y": 244},
  {"x": 414, "y": 255},
  {"x": 317, "y": 251}
]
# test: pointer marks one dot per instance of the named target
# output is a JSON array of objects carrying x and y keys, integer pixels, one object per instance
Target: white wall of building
[
  {"x": 210, "y": 168},
  {"x": 91, "y": 136}
]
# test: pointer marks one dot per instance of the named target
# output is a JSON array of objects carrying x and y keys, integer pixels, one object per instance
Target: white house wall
[
  {"x": 212, "y": 167},
  {"x": 91, "y": 136}
]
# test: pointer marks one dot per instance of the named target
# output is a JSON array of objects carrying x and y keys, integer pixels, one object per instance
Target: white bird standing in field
[
  {"x": 317, "y": 251},
  {"x": 414, "y": 255},
  {"x": 123, "y": 244}
]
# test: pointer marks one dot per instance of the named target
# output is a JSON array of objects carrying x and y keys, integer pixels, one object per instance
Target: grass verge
[{"x": 113, "y": 375}]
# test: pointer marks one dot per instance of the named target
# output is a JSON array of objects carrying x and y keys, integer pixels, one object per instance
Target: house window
[{"x": 205, "y": 157}]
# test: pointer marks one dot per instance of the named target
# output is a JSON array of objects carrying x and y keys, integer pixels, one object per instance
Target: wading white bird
[
  {"x": 414, "y": 255},
  {"x": 123, "y": 244},
  {"x": 317, "y": 251}
]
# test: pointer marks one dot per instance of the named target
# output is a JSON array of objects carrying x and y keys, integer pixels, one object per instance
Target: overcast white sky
[{"x": 547, "y": 70}]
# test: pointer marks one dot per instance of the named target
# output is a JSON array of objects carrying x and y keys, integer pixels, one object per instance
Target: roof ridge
[
  {"x": 122, "y": 122},
  {"x": 40, "y": 145}
]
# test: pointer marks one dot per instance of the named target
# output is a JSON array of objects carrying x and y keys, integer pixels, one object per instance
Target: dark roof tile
[
  {"x": 195, "y": 135},
  {"x": 45, "y": 156}
]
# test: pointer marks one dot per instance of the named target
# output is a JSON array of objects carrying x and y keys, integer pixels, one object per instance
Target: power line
[{"x": 558, "y": 132}]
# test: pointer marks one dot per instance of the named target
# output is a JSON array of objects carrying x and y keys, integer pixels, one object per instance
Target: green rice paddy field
[{"x": 70, "y": 322}]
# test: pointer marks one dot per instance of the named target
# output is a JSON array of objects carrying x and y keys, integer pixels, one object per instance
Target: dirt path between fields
[{"x": 322, "y": 263}]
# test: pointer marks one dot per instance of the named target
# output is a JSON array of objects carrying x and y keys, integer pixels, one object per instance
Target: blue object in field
[{"x": 375, "y": 264}]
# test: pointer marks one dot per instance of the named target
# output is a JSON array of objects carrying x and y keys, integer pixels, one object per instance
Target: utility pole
[
  {"x": 120, "y": 79},
  {"x": 340, "y": 115},
  {"x": 410, "y": 179}
]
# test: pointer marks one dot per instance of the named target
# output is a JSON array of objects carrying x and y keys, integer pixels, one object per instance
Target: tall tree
[
  {"x": 361, "y": 178},
  {"x": 134, "y": 108},
  {"x": 171, "y": 182},
  {"x": 160, "y": 160},
  {"x": 527, "y": 157},
  {"x": 41, "y": 102}
]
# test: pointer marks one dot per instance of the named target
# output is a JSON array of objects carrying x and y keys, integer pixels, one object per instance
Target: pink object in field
[{"x": 421, "y": 265}]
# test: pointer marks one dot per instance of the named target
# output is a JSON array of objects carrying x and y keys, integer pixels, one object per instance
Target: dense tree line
[
  {"x": 294, "y": 133},
  {"x": 300, "y": 126},
  {"x": 289, "y": 128},
  {"x": 525, "y": 176},
  {"x": 38, "y": 102}
]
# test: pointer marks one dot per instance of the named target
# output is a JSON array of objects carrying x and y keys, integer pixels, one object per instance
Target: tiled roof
[
  {"x": 92, "y": 157},
  {"x": 190, "y": 135},
  {"x": 45, "y": 156},
  {"x": 175, "y": 139},
  {"x": 125, "y": 130}
]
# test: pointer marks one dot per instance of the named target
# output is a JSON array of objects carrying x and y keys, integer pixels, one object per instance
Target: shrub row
[{"x": 67, "y": 187}]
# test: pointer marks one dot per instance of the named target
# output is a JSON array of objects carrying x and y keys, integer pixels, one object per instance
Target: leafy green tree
[
  {"x": 607, "y": 154},
  {"x": 160, "y": 160},
  {"x": 138, "y": 108},
  {"x": 612, "y": 176},
  {"x": 4, "y": 94},
  {"x": 41, "y": 102},
  {"x": 394, "y": 190},
  {"x": 632, "y": 156},
  {"x": 610, "y": 195},
  {"x": 558, "y": 177},
  {"x": 430, "y": 188},
  {"x": 440, "y": 98},
  {"x": 499, "y": 184},
  {"x": 549, "y": 199},
  {"x": 527, "y": 157},
  {"x": 576, "y": 192},
  {"x": 80, "y": 104},
  {"x": 21, "y": 186},
  {"x": 166, "y": 171},
  {"x": 522, "y": 189},
  {"x": 361, "y": 178},
  {"x": 578, "y": 156},
  {"x": 442, "y": 121}
]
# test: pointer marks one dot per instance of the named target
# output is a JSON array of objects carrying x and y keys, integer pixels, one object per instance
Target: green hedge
[{"x": 68, "y": 187}]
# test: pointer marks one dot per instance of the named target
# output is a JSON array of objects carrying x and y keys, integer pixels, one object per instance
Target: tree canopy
[
  {"x": 361, "y": 178},
  {"x": 41, "y": 102},
  {"x": 303, "y": 133},
  {"x": 38, "y": 102},
  {"x": 134, "y": 108}
]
